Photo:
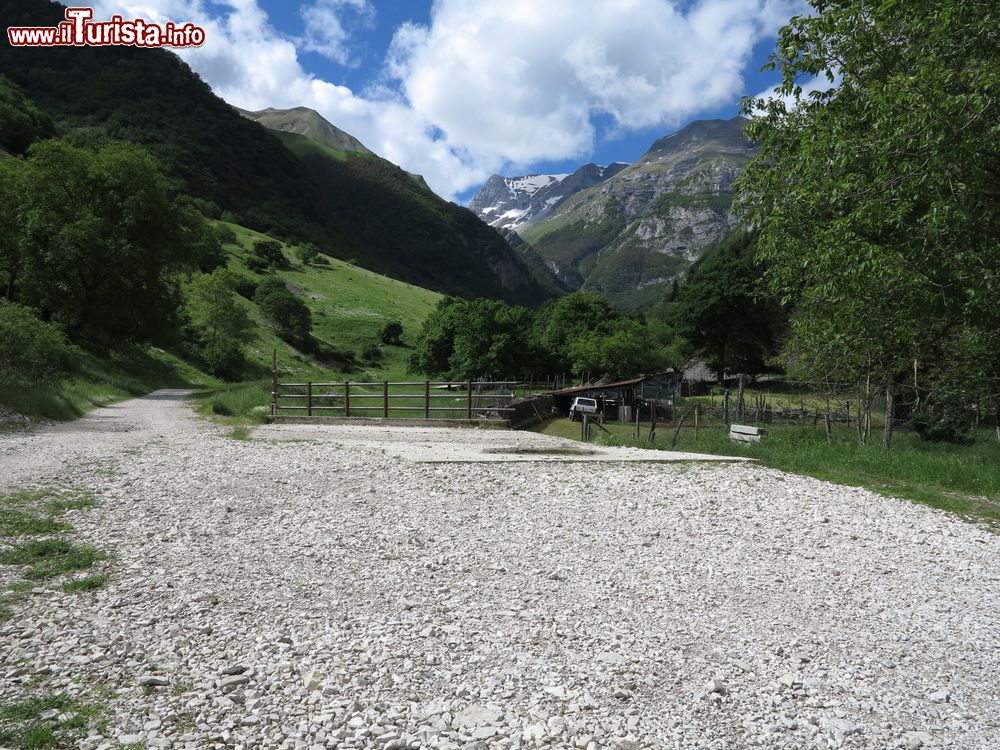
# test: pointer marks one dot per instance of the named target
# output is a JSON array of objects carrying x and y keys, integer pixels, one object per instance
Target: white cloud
[
  {"x": 326, "y": 27},
  {"x": 487, "y": 86}
]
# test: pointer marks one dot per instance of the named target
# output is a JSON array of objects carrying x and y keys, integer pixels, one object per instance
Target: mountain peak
[
  {"x": 516, "y": 202},
  {"x": 725, "y": 133},
  {"x": 307, "y": 122}
]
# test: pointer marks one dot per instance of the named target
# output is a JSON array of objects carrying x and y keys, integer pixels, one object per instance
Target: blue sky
[{"x": 459, "y": 89}]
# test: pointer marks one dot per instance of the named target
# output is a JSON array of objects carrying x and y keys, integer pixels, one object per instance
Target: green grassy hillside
[
  {"x": 309, "y": 123},
  {"x": 349, "y": 306}
]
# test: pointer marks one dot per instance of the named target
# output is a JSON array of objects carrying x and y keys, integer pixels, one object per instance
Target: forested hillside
[{"x": 239, "y": 171}]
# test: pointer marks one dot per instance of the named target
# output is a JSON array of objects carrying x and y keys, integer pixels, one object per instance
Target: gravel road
[{"x": 314, "y": 590}]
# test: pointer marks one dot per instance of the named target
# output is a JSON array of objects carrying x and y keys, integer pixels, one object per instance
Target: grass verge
[
  {"x": 48, "y": 558},
  {"x": 46, "y": 721},
  {"x": 100, "y": 380},
  {"x": 30, "y": 512},
  {"x": 237, "y": 404},
  {"x": 963, "y": 479}
]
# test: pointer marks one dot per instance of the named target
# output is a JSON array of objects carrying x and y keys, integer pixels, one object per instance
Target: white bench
[{"x": 746, "y": 433}]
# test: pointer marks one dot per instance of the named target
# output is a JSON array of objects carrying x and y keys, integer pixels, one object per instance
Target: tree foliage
[
  {"x": 721, "y": 313},
  {"x": 581, "y": 333},
  {"x": 93, "y": 239},
  {"x": 21, "y": 122},
  {"x": 876, "y": 196},
  {"x": 223, "y": 324},
  {"x": 29, "y": 348},
  {"x": 268, "y": 254},
  {"x": 391, "y": 333},
  {"x": 289, "y": 316}
]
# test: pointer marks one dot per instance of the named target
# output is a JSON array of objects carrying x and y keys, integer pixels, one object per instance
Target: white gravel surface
[{"x": 329, "y": 593}]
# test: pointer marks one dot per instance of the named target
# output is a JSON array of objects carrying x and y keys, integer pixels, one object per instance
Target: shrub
[
  {"x": 289, "y": 315},
  {"x": 391, "y": 333},
  {"x": 308, "y": 253},
  {"x": 220, "y": 408},
  {"x": 30, "y": 349},
  {"x": 371, "y": 353},
  {"x": 245, "y": 287},
  {"x": 950, "y": 423},
  {"x": 269, "y": 253},
  {"x": 267, "y": 287},
  {"x": 223, "y": 357},
  {"x": 225, "y": 234}
]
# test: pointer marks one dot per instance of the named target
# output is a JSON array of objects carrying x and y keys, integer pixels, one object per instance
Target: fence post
[
  {"x": 274, "y": 383},
  {"x": 427, "y": 399},
  {"x": 468, "y": 400},
  {"x": 309, "y": 399},
  {"x": 347, "y": 398},
  {"x": 385, "y": 399}
]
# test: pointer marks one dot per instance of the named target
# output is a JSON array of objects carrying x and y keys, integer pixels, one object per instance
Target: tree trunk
[{"x": 890, "y": 414}]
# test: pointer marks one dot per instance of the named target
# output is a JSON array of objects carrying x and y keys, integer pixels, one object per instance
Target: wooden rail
[{"x": 471, "y": 400}]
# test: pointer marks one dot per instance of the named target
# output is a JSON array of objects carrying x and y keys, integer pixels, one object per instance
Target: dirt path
[{"x": 332, "y": 592}]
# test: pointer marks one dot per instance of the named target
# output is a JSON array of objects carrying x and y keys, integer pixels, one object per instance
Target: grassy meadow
[{"x": 961, "y": 479}]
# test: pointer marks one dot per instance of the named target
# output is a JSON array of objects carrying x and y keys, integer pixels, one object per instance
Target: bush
[
  {"x": 290, "y": 317},
  {"x": 269, "y": 253},
  {"x": 267, "y": 287},
  {"x": 245, "y": 287},
  {"x": 308, "y": 253},
  {"x": 220, "y": 408},
  {"x": 951, "y": 423},
  {"x": 225, "y": 234},
  {"x": 371, "y": 353},
  {"x": 391, "y": 333},
  {"x": 256, "y": 265},
  {"x": 30, "y": 349},
  {"x": 224, "y": 358}
]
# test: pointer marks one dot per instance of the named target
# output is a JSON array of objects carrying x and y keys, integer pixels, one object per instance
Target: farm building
[{"x": 618, "y": 400}]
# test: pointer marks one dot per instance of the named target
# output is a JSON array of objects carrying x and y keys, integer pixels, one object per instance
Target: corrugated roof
[{"x": 601, "y": 387}]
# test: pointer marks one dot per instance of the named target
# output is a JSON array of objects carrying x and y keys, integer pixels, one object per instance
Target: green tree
[
  {"x": 308, "y": 253},
  {"x": 223, "y": 323},
  {"x": 100, "y": 238},
  {"x": 21, "y": 122},
  {"x": 391, "y": 332},
  {"x": 621, "y": 348},
  {"x": 268, "y": 253},
  {"x": 290, "y": 317},
  {"x": 267, "y": 287},
  {"x": 478, "y": 338},
  {"x": 877, "y": 197},
  {"x": 561, "y": 321},
  {"x": 29, "y": 348},
  {"x": 719, "y": 312}
]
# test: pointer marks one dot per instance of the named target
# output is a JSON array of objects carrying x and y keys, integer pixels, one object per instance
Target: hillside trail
[{"x": 49, "y": 451}]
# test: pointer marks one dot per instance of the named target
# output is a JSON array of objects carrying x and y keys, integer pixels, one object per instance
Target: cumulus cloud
[
  {"x": 326, "y": 27},
  {"x": 488, "y": 86}
]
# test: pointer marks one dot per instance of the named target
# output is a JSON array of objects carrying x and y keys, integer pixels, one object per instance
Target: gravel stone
[{"x": 340, "y": 586}]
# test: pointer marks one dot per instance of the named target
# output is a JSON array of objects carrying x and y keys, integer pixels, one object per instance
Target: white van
[{"x": 582, "y": 406}]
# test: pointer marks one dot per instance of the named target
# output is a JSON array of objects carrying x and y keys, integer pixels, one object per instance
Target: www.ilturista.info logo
[{"x": 78, "y": 30}]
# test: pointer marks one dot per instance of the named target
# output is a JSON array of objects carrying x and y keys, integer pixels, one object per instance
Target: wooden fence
[{"x": 470, "y": 401}]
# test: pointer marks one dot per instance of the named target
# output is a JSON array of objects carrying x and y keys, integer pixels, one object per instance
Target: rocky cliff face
[
  {"x": 518, "y": 202},
  {"x": 631, "y": 234}
]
